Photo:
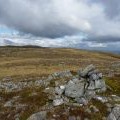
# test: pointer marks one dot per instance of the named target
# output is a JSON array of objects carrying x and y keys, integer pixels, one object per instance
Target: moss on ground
[{"x": 114, "y": 84}]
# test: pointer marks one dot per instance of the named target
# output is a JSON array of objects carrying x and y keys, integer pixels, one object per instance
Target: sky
[{"x": 86, "y": 24}]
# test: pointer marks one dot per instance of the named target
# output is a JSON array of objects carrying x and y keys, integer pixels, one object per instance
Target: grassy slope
[
  {"x": 20, "y": 63},
  {"x": 26, "y": 62}
]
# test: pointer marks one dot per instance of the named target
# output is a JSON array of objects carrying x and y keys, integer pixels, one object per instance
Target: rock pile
[
  {"x": 77, "y": 92},
  {"x": 10, "y": 86},
  {"x": 81, "y": 89}
]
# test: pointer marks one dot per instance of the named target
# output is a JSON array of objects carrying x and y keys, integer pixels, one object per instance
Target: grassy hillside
[
  {"x": 24, "y": 62},
  {"x": 32, "y": 63}
]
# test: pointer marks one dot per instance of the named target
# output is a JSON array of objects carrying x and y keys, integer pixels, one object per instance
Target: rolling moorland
[{"x": 26, "y": 64}]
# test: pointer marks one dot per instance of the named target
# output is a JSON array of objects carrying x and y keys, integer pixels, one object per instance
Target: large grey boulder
[
  {"x": 75, "y": 89},
  {"x": 90, "y": 81},
  {"x": 115, "y": 114},
  {"x": 38, "y": 116}
]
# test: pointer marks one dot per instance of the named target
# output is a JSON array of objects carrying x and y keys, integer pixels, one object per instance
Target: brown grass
[
  {"x": 33, "y": 63},
  {"x": 27, "y": 62}
]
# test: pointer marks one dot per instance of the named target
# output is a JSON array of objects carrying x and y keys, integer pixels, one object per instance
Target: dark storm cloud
[
  {"x": 103, "y": 39},
  {"x": 58, "y": 18}
]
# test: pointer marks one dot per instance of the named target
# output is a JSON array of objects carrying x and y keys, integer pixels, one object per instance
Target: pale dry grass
[{"x": 43, "y": 61}]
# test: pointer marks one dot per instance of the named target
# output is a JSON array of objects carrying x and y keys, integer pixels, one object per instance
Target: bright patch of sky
[{"x": 4, "y": 31}]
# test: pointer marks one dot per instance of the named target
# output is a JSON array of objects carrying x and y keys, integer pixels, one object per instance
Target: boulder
[{"x": 94, "y": 109}]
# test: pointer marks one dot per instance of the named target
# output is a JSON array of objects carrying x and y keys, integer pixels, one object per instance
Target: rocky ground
[
  {"x": 64, "y": 95},
  {"x": 58, "y": 84}
]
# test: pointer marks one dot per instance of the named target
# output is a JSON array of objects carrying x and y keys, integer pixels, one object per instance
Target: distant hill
[{"x": 24, "y": 46}]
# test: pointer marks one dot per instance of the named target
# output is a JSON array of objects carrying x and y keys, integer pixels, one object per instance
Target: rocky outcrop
[
  {"x": 89, "y": 82},
  {"x": 81, "y": 88},
  {"x": 77, "y": 91}
]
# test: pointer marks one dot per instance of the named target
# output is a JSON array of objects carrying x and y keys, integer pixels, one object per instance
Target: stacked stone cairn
[{"x": 82, "y": 88}]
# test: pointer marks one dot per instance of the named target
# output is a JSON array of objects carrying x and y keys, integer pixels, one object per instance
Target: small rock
[
  {"x": 8, "y": 104},
  {"x": 101, "y": 99},
  {"x": 58, "y": 102},
  {"x": 59, "y": 90},
  {"x": 94, "y": 108},
  {"x": 81, "y": 101},
  {"x": 88, "y": 110},
  {"x": 38, "y": 116}
]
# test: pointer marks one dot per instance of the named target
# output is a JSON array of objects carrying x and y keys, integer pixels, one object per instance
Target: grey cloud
[
  {"x": 41, "y": 18},
  {"x": 112, "y": 7},
  {"x": 103, "y": 39},
  {"x": 58, "y": 18}
]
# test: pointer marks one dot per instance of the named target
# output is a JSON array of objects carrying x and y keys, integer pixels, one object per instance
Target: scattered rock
[
  {"x": 80, "y": 89},
  {"x": 61, "y": 74},
  {"x": 58, "y": 102},
  {"x": 74, "y": 89},
  {"x": 101, "y": 99},
  {"x": 88, "y": 110},
  {"x": 115, "y": 113},
  {"x": 38, "y": 116},
  {"x": 59, "y": 90}
]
